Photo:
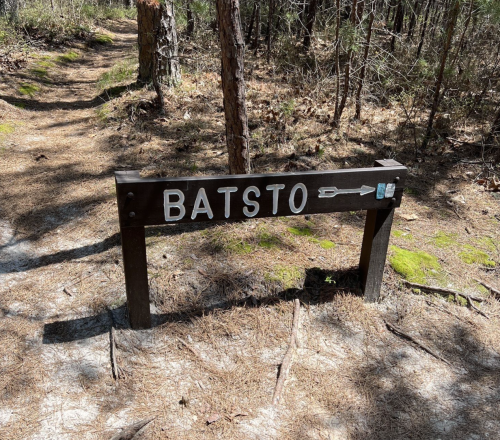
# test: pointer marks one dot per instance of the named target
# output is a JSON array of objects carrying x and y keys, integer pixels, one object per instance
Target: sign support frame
[{"x": 372, "y": 259}]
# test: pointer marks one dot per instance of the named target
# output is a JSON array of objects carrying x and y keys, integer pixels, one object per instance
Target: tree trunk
[
  {"x": 311, "y": 17},
  {"x": 414, "y": 14},
  {"x": 148, "y": 20},
  {"x": 190, "y": 19},
  {"x": 256, "y": 39},
  {"x": 157, "y": 33},
  {"x": 252, "y": 21},
  {"x": 424, "y": 28},
  {"x": 450, "y": 28},
  {"x": 347, "y": 72},
  {"x": 168, "y": 68},
  {"x": 233, "y": 85},
  {"x": 270, "y": 18},
  {"x": 363, "y": 68},
  {"x": 337, "y": 63},
  {"x": 398, "y": 24}
]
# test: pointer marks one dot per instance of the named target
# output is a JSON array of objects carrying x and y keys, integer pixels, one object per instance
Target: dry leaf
[{"x": 409, "y": 217}]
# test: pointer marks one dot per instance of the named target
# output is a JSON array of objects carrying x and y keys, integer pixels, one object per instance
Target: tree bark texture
[
  {"x": 233, "y": 85},
  {"x": 157, "y": 33}
]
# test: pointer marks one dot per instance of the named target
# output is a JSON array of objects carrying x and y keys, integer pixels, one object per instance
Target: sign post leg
[
  {"x": 136, "y": 276},
  {"x": 374, "y": 250}
]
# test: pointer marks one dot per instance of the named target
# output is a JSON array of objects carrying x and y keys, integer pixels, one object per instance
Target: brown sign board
[{"x": 158, "y": 201}]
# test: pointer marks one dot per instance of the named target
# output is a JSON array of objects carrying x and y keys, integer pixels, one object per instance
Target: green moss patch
[
  {"x": 268, "y": 241},
  {"x": 68, "y": 57},
  {"x": 413, "y": 266},
  {"x": 472, "y": 255},
  {"x": 304, "y": 232},
  {"x": 102, "y": 39},
  {"x": 327, "y": 244},
  {"x": 40, "y": 72},
  {"x": 238, "y": 247},
  {"x": 487, "y": 243},
  {"x": 287, "y": 276},
  {"x": 402, "y": 234},
  {"x": 444, "y": 240},
  {"x": 6, "y": 128},
  {"x": 28, "y": 89}
]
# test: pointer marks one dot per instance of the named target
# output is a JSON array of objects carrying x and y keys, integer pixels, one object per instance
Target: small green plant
[
  {"x": 28, "y": 89},
  {"x": 288, "y": 107},
  {"x": 330, "y": 280},
  {"x": 103, "y": 112}
]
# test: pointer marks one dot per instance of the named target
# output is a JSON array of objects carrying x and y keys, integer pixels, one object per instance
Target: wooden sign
[{"x": 145, "y": 202}]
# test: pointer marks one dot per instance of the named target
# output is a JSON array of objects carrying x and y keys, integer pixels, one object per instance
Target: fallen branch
[
  {"x": 473, "y": 307},
  {"x": 443, "y": 291},
  {"x": 492, "y": 289},
  {"x": 399, "y": 332},
  {"x": 130, "y": 432},
  {"x": 288, "y": 359},
  {"x": 112, "y": 347}
]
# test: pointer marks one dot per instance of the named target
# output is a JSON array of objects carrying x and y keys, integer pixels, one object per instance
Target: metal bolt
[
  {"x": 396, "y": 179},
  {"x": 131, "y": 214},
  {"x": 130, "y": 195},
  {"x": 393, "y": 200}
]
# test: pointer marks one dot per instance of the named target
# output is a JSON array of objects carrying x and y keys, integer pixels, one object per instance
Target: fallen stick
[
  {"x": 495, "y": 292},
  {"x": 288, "y": 359},
  {"x": 399, "y": 332},
  {"x": 442, "y": 290},
  {"x": 473, "y": 307},
  {"x": 114, "y": 365},
  {"x": 130, "y": 432},
  {"x": 112, "y": 347}
]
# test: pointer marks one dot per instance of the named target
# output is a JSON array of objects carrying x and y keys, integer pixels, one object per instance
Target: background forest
[{"x": 437, "y": 60}]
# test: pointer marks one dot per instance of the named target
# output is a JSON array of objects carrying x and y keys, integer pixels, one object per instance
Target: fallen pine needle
[
  {"x": 288, "y": 359},
  {"x": 400, "y": 332}
]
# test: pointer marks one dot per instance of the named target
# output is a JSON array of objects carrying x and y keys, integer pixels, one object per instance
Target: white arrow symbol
[{"x": 332, "y": 191}]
